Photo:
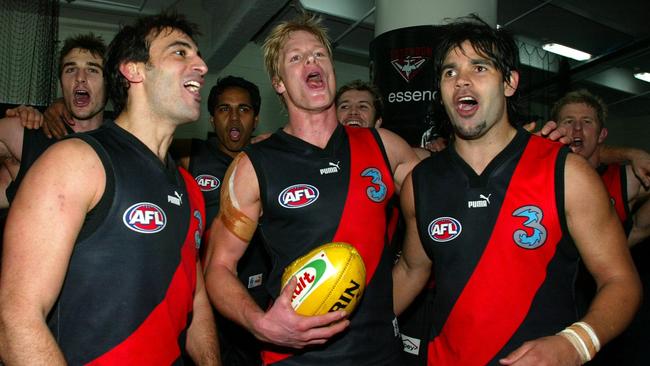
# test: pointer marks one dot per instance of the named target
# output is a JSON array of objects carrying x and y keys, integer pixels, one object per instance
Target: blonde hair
[{"x": 278, "y": 37}]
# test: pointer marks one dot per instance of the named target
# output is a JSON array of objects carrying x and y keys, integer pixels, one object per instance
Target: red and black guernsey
[
  {"x": 615, "y": 178},
  {"x": 503, "y": 262},
  {"x": 312, "y": 196},
  {"x": 128, "y": 294}
]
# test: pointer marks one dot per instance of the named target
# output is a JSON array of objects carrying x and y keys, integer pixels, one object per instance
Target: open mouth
[
  {"x": 81, "y": 98},
  {"x": 577, "y": 142},
  {"x": 193, "y": 86},
  {"x": 314, "y": 80},
  {"x": 353, "y": 123},
  {"x": 234, "y": 133},
  {"x": 467, "y": 103}
]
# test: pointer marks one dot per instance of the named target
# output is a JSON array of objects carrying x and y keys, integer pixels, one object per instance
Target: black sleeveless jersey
[
  {"x": 128, "y": 294},
  {"x": 502, "y": 261},
  {"x": 208, "y": 165},
  {"x": 34, "y": 144},
  {"x": 311, "y": 196}
]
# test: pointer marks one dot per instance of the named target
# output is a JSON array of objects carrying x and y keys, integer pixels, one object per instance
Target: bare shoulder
[
  {"x": 241, "y": 180},
  {"x": 69, "y": 168},
  {"x": 585, "y": 191}
]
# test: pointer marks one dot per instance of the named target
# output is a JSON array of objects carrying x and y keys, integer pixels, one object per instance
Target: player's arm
[
  {"x": 599, "y": 237},
  {"x": 400, "y": 154},
  {"x": 413, "y": 268},
  {"x": 639, "y": 200},
  {"x": 11, "y": 138},
  {"x": 639, "y": 159},
  {"x": 202, "y": 343},
  {"x": 230, "y": 234},
  {"x": 41, "y": 229}
]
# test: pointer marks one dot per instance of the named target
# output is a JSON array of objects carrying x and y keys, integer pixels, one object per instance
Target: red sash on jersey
[
  {"x": 155, "y": 341},
  {"x": 613, "y": 180},
  {"x": 363, "y": 221},
  {"x": 498, "y": 295}
]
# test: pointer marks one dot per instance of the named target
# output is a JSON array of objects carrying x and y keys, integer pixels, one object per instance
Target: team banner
[{"x": 401, "y": 66}]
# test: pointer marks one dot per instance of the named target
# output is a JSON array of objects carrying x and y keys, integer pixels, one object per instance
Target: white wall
[{"x": 249, "y": 65}]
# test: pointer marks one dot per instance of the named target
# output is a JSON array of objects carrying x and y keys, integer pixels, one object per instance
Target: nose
[
  {"x": 200, "y": 66},
  {"x": 234, "y": 114},
  {"x": 577, "y": 125},
  {"x": 461, "y": 79},
  {"x": 81, "y": 76}
]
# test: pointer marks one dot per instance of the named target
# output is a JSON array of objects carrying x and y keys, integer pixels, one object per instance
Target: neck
[
  {"x": 315, "y": 128},
  {"x": 84, "y": 125},
  {"x": 478, "y": 153},
  {"x": 152, "y": 131}
]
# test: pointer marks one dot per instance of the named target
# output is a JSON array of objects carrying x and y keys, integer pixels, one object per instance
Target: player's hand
[
  {"x": 436, "y": 145},
  {"x": 55, "y": 118},
  {"x": 282, "y": 326},
  {"x": 547, "y": 351},
  {"x": 30, "y": 117},
  {"x": 552, "y": 131}
]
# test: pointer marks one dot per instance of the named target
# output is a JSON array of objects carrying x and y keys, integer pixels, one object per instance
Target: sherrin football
[{"x": 331, "y": 277}]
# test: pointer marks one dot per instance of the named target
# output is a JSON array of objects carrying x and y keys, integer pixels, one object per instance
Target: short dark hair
[
  {"x": 363, "y": 86},
  {"x": 498, "y": 45},
  {"x": 581, "y": 96},
  {"x": 238, "y": 82},
  {"x": 132, "y": 43},
  {"x": 89, "y": 42}
]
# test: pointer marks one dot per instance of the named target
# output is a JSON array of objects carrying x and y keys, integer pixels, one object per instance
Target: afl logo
[
  {"x": 207, "y": 182},
  {"x": 145, "y": 217},
  {"x": 298, "y": 196},
  {"x": 444, "y": 229}
]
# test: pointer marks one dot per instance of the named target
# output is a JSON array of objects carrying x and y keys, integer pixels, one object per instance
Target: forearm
[
  {"x": 407, "y": 284},
  {"x": 615, "y": 154},
  {"x": 640, "y": 225},
  {"x": 202, "y": 341},
  {"x": 27, "y": 342},
  {"x": 232, "y": 300},
  {"x": 614, "y": 306}
]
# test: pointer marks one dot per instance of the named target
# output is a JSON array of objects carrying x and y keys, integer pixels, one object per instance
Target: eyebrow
[
  {"x": 184, "y": 44},
  {"x": 73, "y": 63},
  {"x": 238, "y": 105}
]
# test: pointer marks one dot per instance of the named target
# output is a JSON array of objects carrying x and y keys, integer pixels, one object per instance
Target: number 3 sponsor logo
[{"x": 534, "y": 236}]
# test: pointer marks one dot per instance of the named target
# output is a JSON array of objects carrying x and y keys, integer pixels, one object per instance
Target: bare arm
[
  {"x": 280, "y": 324},
  {"x": 640, "y": 224},
  {"x": 639, "y": 159},
  {"x": 202, "y": 342},
  {"x": 401, "y": 155},
  {"x": 37, "y": 248},
  {"x": 412, "y": 270},
  {"x": 11, "y": 138},
  {"x": 600, "y": 240},
  {"x": 639, "y": 200}
]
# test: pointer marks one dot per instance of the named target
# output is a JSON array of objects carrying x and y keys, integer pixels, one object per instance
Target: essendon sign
[{"x": 402, "y": 67}]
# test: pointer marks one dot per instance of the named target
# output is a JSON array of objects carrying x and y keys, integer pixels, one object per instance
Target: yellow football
[{"x": 331, "y": 277}]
